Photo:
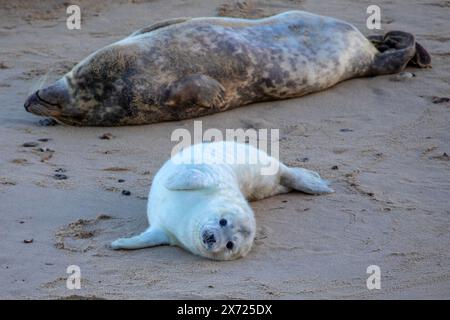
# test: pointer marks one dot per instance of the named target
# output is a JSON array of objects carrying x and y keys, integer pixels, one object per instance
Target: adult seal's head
[{"x": 94, "y": 92}]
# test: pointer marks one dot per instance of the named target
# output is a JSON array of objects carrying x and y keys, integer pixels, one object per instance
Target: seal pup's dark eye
[
  {"x": 223, "y": 222},
  {"x": 230, "y": 245}
]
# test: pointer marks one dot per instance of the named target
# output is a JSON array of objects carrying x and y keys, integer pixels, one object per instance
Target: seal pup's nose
[{"x": 208, "y": 238}]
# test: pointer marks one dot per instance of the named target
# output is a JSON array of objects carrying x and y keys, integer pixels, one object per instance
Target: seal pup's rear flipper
[
  {"x": 304, "y": 180},
  {"x": 150, "y": 238},
  {"x": 397, "y": 50},
  {"x": 159, "y": 25}
]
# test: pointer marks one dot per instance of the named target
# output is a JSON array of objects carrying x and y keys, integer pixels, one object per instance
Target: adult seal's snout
[
  {"x": 34, "y": 104},
  {"x": 32, "y": 100},
  {"x": 52, "y": 101}
]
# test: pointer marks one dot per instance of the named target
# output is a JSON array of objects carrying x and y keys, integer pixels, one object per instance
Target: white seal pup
[
  {"x": 190, "y": 67},
  {"x": 198, "y": 199}
]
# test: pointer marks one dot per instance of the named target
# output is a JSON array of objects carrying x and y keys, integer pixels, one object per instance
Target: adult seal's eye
[
  {"x": 230, "y": 245},
  {"x": 223, "y": 222}
]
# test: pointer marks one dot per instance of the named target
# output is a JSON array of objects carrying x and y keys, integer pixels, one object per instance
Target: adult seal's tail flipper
[
  {"x": 397, "y": 49},
  {"x": 422, "y": 58}
]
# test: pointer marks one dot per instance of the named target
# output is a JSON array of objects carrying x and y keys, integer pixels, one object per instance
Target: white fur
[{"x": 208, "y": 182}]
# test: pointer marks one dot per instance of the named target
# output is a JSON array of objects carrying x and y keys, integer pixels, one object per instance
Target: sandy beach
[{"x": 383, "y": 142}]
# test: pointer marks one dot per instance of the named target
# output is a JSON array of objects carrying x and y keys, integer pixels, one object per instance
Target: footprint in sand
[
  {"x": 79, "y": 236},
  {"x": 19, "y": 161},
  {"x": 7, "y": 182},
  {"x": 255, "y": 9},
  {"x": 262, "y": 233},
  {"x": 442, "y": 157},
  {"x": 242, "y": 9}
]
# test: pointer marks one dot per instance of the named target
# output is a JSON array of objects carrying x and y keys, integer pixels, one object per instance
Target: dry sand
[{"x": 392, "y": 202}]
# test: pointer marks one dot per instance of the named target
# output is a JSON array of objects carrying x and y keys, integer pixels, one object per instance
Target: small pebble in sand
[
  {"x": 60, "y": 176},
  {"x": 334, "y": 168},
  {"x": 126, "y": 192},
  {"x": 346, "y": 130},
  {"x": 103, "y": 217},
  {"x": 47, "y": 122},
  {"x": 303, "y": 159},
  {"x": 28, "y": 241},
  {"x": 121, "y": 181},
  {"x": 437, "y": 100},
  {"x": 30, "y": 144},
  {"x": 106, "y": 136}
]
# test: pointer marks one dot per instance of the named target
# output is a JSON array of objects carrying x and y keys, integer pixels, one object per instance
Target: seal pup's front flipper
[
  {"x": 159, "y": 25},
  {"x": 304, "y": 180},
  {"x": 150, "y": 238},
  {"x": 196, "y": 90},
  {"x": 191, "y": 177}
]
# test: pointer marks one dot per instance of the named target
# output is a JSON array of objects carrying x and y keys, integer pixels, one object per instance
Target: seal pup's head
[
  {"x": 221, "y": 223},
  {"x": 97, "y": 91},
  {"x": 227, "y": 232}
]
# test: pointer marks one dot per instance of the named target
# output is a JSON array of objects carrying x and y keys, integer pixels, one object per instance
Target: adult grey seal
[
  {"x": 189, "y": 67},
  {"x": 198, "y": 199}
]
